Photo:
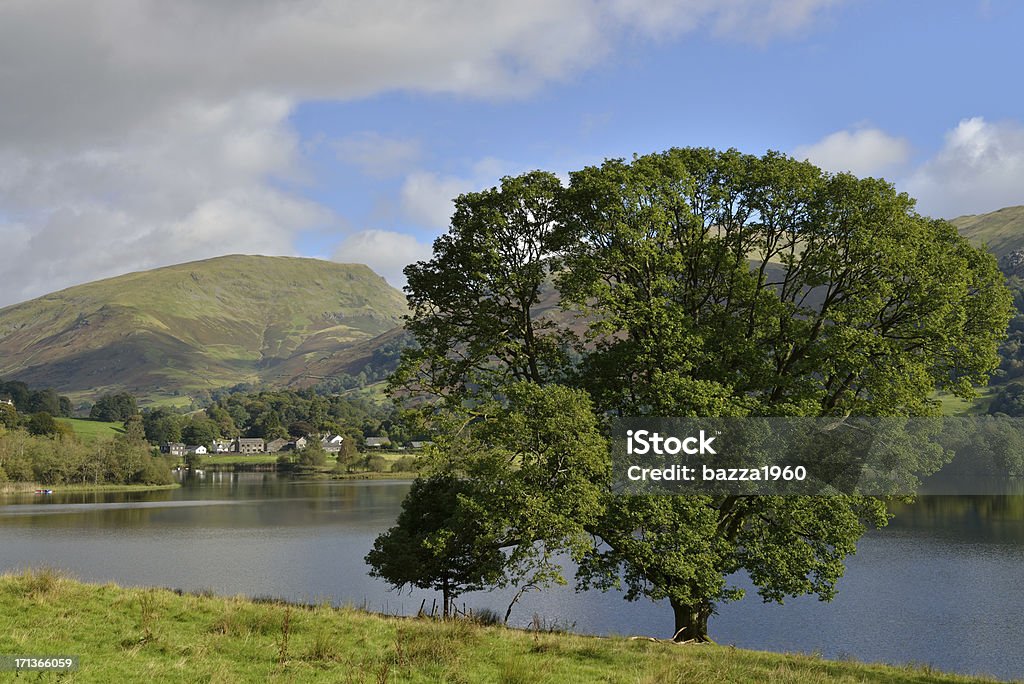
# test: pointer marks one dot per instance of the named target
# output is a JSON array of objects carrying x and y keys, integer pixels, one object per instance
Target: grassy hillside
[
  {"x": 125, "y": 635},
  {"x": 1001, "y": 231},
  {"x": 195, "y": 326},
  {"x": 91, "y": 430}
]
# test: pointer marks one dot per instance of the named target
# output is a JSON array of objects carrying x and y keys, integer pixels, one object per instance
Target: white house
[
  {"x": 197, "y": 449},
  {"x": 332, "y": 443}
]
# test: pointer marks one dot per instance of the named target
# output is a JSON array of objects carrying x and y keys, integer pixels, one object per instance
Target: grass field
[
  {"x": 124, "y": 635},
  {"x": 955, "y": 406},
  {"x": 238, "y": 459},
  {"x": 91, "y": 430}
]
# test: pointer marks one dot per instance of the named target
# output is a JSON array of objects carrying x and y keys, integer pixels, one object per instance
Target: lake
[{"x": 941, "y": 586}]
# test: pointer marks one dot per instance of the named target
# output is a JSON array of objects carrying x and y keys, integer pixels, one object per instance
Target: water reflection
[{"x": 939, "y": 586}]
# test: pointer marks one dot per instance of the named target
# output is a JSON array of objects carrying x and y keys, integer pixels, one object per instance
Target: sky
[{"x": 142, "y": 133}]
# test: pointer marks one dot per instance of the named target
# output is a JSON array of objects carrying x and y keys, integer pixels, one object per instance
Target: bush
[
  {"x": 313, "y": 455},
  {"x": 377, "y": 464},
  {"x": 406, "y": 464},
  {"x": 42, "y": 423},
  {"x": 154, "y": 471}
]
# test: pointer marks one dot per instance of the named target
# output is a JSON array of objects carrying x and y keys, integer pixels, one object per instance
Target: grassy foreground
[{"x": 159, "y": 635}]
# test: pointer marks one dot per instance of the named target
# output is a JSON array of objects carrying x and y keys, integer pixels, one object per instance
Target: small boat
[{"x": 44, "y": 491}]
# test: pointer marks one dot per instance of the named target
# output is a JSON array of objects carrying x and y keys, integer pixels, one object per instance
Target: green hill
[
  {"x": 197, "y": 326},
  {"x": 1001, "y": 231}
]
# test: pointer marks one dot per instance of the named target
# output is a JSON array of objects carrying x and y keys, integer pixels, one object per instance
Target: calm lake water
[{"x": 943, "y": 585}]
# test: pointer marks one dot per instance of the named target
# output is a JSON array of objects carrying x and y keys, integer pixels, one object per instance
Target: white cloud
[
  {"x": 191, "y": 185},
  {"x": 979, "y": 169},
  {"x": 750, "y": 20},
  {"x": 135, "y": 133},
  {"x": 378, "y": 156},
  {"x": 862, "y": 152},
  {"x": 427, "y": 197},
  {"x": 386, "y": 252}
]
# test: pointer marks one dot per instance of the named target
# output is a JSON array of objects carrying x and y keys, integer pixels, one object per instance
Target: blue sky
[{"x": 142, "y": 136}]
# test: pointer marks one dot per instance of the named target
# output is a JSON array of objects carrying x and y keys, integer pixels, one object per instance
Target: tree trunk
[
  {"x": 445, "y": 598},
  {"x": 691, "y": 621}
]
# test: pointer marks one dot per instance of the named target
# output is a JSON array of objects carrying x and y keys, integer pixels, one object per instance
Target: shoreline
[{"x": 31, "y": 487}]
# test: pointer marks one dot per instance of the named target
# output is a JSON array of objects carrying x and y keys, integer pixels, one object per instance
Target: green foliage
[
  {"x": 705, "y": 283},
  {"x": 1009, "y": 400},
  {"x": 9, "y": 416},
  {"x": 114, "y": 408},
  {"x": 63, "y": 459},
  {"x": 161, "y": 426},
  {"x": 377, "y": 464},
  {"x": 199, "y": 430},
  {"x": 437, "y": 543},
  {"x": 264, "y": 414},
  {"x": 42, "y": 423},
  {"x": 313, "y": 455},
  {"x": 475, "y": 299},
  {"x": 134, "y": 429},
  {"x": 27, "y": 400},
  {"x": 406, "y": 464}
]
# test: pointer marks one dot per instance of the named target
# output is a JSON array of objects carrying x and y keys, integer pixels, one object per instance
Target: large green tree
[
  {"x": 723, "y": 284},
  {"x": 708, "y": 284}
]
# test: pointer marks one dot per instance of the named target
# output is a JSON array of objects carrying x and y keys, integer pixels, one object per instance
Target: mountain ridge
[
  {"x": 193, "y": 327},
  {"x": 175, "y": 332},
  {"x": 1000, "y": 231}
]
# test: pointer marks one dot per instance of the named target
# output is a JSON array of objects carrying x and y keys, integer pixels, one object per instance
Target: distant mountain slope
[
  {"x": 1002, "y": 231},
  {"x": 195, "y": 326}
]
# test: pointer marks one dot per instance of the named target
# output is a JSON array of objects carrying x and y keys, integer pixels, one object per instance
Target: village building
[
  {"x": 276, "y": 445},
  {"x": 172, "y": 448},
  {"x": 300, "y": 443},
  {"x": 250, "y": 445},
  {"x": 197, "y": 449},
  {"x": 332, "y": 443},
  {"x": 377, "y": 442},
  {"x": 222, "y": 446}
]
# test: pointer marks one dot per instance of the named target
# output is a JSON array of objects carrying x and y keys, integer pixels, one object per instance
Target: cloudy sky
[{"x": 139, "y": 133}]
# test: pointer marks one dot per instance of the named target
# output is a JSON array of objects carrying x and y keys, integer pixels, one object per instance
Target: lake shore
[
  {"x": 123, "y": 634},
  {"x": 30, "y": 487}
]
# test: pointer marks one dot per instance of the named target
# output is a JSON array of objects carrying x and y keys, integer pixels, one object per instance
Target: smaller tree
[
  {"x": 437, "y": 543},
  {"x": 313, "y": 455},
  {"x": 348, "y": 455},
  {"x": 114, "y": 408},
  {"x": 376, "y": 463},
  {"x": 134, "y": 429},
  {"x": 42, "y": 423},
  {"x": 9, "y": 416},
  {"x": 200, "y": 430}
]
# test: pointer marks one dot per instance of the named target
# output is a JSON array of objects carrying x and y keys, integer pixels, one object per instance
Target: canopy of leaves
[
  {"x": 697, "y": 283},
  {"x": 437, "y": 542}
]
